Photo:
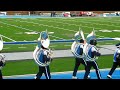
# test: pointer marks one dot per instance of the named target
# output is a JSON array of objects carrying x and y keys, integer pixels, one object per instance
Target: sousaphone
[
  {"x": 1, "y": 43},
  {"x": 37, "y": 54},
  {"x": 75, "y": 47}
]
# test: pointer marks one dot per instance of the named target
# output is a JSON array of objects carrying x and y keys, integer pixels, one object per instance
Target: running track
[{"x": 68, "y": 75}]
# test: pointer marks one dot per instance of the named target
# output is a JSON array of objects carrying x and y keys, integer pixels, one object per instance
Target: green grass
[
  {"x": 16, "y": 28},
  {"x": 57, "y": 65},
  {"x": 31, "y": 47}
]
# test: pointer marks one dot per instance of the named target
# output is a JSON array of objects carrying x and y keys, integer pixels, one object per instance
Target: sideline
[{"x": 55, "y": 73}]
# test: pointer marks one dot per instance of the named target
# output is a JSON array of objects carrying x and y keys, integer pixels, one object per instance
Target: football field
[{"x": 28, "y": 29}]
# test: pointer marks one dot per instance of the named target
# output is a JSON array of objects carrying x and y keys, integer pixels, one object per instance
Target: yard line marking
[
  {"x": 47, "y": 25},
  {"x": 8, "y": 38},
  {"x": 16, "y": 26},
  {"x": 26, "y": 29},
  {"x": 61, "y": 28},
  {"x": 22, "y": 47},
  {"x": 89, "y": 22},
  {"x": 57, "y": 37},
  {"x": 6, "y": 48},
  {"x": 75, "y": 25},
  {"x": 38, "y": 23}
]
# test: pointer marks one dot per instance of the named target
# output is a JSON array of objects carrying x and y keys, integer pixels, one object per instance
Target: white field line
[
  {"x": 94, "y": 23},
  {"x": 43, "y": 25},
  {"x": 62, "y": 28},
  {"x": 47, "y": 25},
  {"x": 109, "y": 43},
  {"x": 67, "y": 45},
  {"x": 68, "y": 23},
  {"x": 55, "y": 73},
  {"x": 86, "y": 26},
  {"x": 108, "y": 20},
  {"x": 17, "y": 26},
  {"x": 6, "y": 48},
  {"x": 74, "y": 25},
  {"x": 89, "y": 22},
  {"x": 22, "y": 47},
  {"x": 53, "y": 46},
  {"x": 56, "y": 37},
  {"x": 25, "y": 29},
  {"x": 8, "y": 38}
]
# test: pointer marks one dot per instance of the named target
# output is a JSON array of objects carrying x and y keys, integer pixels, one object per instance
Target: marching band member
[
  {"x": 77, "y": 50},
  {"x": 1, "y": 43},
  {"x": 116, "y": 61},
  {"x": 2, "y": 64},
  {"x": 79, "y": 60},
  {"x": 2, "y": 60},
  {"x": 91, "y": 53},
  {"x": 43, "y": 58}
]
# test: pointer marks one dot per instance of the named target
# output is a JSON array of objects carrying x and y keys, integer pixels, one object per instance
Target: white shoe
[
  {"x": 108, "y": 76},
  {"x": 35, "y": 77},
  {"x": 74, "y": 77},
  {"x": 88, "y": 77}
]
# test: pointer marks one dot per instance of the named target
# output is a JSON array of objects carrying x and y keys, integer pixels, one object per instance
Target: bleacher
[{"x": 41, "y": 14}]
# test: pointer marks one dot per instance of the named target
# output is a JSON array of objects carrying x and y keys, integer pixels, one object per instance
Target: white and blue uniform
[
  {"x": 78, "y": 53},
  {"x": 41, "y": 55},
  {"x": 78, "y": 50},
  {"x": 116, "y": 61},
  {"x": 117, "y": 51},
  {"x": 89, "y": 55},
  {"x": 2, "y": 64},
  {"x": 90, "y": 58},
  {"x": 43, "y": 58}
]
